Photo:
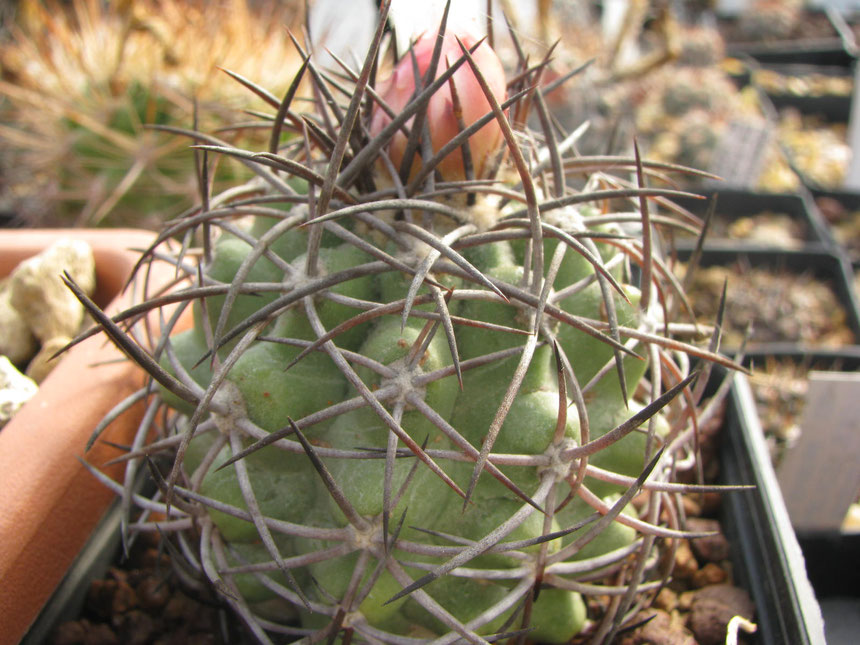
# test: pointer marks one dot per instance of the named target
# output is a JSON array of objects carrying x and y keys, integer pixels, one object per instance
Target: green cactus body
[
  {"x": 360, "y": 479},
  {"x": 334, "y": 576},
  {"x": 188, "y": 347},
  {"x": 230, "y": 252},
  {"x": 361, "y": 428},
  {"x": 248, "y": 584},
  {"x": 285, "y": 485},
  {"x": 614, "y": 536},
  {"x": 273, "y": 395}
]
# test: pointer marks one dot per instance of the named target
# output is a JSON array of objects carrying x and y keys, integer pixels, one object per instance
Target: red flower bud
[{"x": 398, "y": 89}]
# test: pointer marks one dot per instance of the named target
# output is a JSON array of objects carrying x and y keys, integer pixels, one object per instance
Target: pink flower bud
[{"x": 398, "y": 89}]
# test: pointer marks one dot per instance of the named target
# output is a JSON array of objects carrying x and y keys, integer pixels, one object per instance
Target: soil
[
  {"x": 811, "y": 26},
  {"x": 779, "y": 388},
  {"x": 696, "y": 605},
  {"x": 768, "y": 228},
  {"x": 781, "y": 306},
  {"x": 141, "y": 602},
  {"x": 806, "y": 85},
  {"x": 818, "y": 149}
]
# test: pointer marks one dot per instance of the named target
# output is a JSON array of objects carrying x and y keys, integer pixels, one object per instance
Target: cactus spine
[{"x": 418, "y": 396}]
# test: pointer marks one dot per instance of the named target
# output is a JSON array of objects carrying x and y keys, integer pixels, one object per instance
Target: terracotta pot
[{"x": 50, "y": 502}]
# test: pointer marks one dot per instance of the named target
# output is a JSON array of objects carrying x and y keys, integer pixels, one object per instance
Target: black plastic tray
[
  {"x": 848, "y": 199},
  {"x": 732, "y": 204},
  {"x": 825, "y": 49},
  {"x": 766, "y": 556},
  {"x": 833, "y": 563},
  {"x": 831, "y": 558},
  {"x": 832, "y": 107},
  {"x": 828, "y": 52}
]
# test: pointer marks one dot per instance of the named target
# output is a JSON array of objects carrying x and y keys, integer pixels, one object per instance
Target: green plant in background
[
  {"x": 426, "y": 375},
  {"x": 82, "y": 85}
]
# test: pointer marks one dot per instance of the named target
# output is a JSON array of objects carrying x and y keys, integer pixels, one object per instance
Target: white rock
[
  {"x": 16, "y": 340},
  {"x": 15, "y": 390},
  {"x": 38, "y": 292}
]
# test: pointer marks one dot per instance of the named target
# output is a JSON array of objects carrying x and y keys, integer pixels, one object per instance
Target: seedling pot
[
  {"x": 734, "y": 204},
  {"x": 826, "y": 47},
  {"x": 766, "y": 555},
  {"x": 841, "y": 205},
  {"x": 833, "y": 562},
  {"x": 830, "y": 554},
  {"x": 832, "y": 107},
  {"x": 820, "y": 265},
  {"x": 821, "y": 51}
]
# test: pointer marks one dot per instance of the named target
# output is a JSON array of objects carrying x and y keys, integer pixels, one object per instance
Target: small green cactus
[{"x": 416, "y": 405}]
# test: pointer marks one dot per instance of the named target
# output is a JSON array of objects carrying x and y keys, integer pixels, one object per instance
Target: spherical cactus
[{"x": 398, "y": 416}]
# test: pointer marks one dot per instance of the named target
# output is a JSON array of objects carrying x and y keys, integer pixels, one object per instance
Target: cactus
[
  {"x": 81, "y": 84},
  {"x": 421, "y": 379}
]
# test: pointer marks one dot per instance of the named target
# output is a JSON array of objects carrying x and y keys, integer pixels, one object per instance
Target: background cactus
[
  {"x": 81, "y": 83},
  {"x": 417, "y": 404}
]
